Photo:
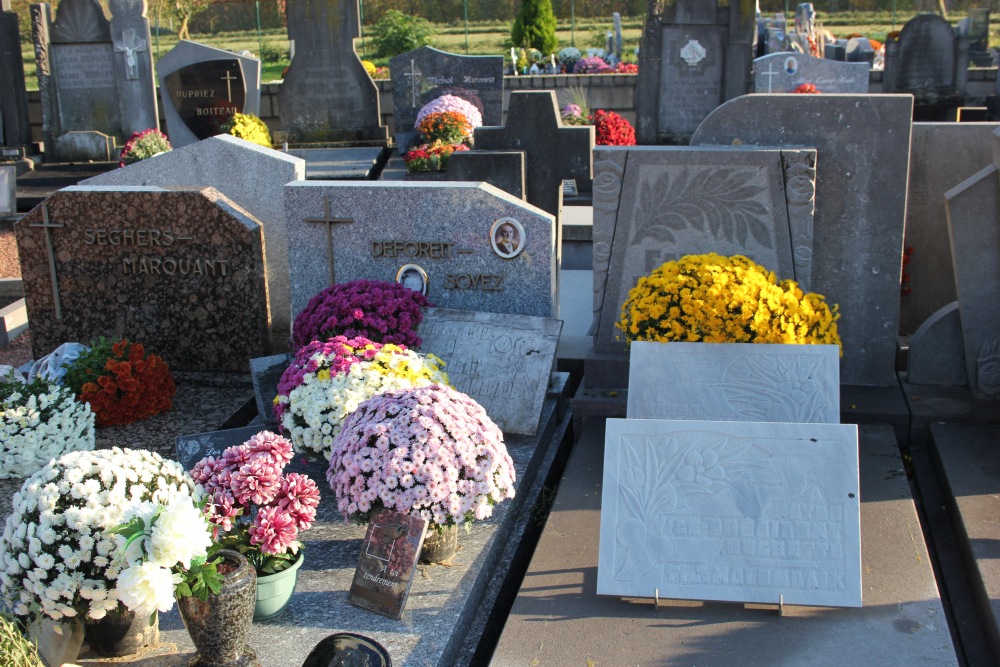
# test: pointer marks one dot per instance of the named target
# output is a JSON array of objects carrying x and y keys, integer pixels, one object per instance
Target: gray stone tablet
[
  {"x": 734, "y": 382},
  {"x": 743, "y": 512}
]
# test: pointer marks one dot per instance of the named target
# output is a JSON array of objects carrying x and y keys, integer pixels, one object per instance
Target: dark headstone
[
  {"x": 348, "y": 645},
  {"x": 266, "y": 372},
  {"x": 181, "y": 271},
  {"x": 835, "y": 52},
  {"x": 133, "y": 57},
  {"x": 203, "y": 87},
  {"x": 501, "y": 169},
  {"x": 860, "y": 208},
  {"x": 189, "y": 449},
  {"x": 15, "y": 129},
  {"x": 693, "y": 56},
  {"x": 426, "y": 73},
  {"x": 930, "y": 62},
  {"x": 937, "y": 354},
  {"x": 327, "y": 95},
  {"x": 859, "y": 50},
  {"x": 972, "y": 115}
]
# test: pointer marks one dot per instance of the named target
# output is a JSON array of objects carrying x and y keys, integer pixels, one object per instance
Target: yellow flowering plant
[
  {"x": 249, "y": 128},
  {"x": 718, "y": 299}
]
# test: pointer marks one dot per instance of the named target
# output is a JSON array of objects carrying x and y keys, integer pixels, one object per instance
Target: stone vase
[
  {"x": 57, "y": 642},
  {"x": 220, "y": 626},
  {"x": 121, "y": 632},
  {"x": 274, "y": 591},
  {"x": 440, "y": 544}
]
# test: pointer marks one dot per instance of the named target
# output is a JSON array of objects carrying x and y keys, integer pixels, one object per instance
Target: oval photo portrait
[
  {"x": 507, "y": 238},
  {"x": 412, "y": 276}
]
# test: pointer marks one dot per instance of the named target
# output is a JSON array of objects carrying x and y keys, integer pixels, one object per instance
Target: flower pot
[
  {"x": 440, "y": 544},
  {"x": 57, "y": 642},
  {"x": 348, "y": 648},
  {"x": 274, "y": 591},
  {"x": 121, "y": 633},
  {"x": 219, "y": 627}
]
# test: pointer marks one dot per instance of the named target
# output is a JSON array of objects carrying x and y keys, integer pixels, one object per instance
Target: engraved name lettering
[
  {"x": 147, "y": 237},
  {"x": 474, "y": 281},
  {"x": 413, "y": 249}
]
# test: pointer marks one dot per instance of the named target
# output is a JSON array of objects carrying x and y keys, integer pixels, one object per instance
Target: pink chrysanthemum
[
  {"x": 273, "y": 447},
  {"x": 299, "y": 496},
  {"x": 273, "y": 530},
  {"x": 256, "y": 482},
  {"x": 222, "y": 510}
]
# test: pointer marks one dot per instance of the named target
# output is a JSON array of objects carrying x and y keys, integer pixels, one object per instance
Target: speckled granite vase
[
  {"x": 121, "y": 633},
  {"x": 220, "y": 626},
  {"x": 439, "y": 545}
]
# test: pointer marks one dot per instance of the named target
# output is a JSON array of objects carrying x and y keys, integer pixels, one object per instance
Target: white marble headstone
[
  {"x": 8, "y": 192},
  {"x": 734, "y": 382},
  {"x": 742, "y": 512}
]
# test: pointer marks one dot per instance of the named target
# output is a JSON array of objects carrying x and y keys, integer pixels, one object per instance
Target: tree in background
[
  {"x": 184, "y": 10},
  {"x": 397, "y": 33},
  {"x": 535, "y": 26}
]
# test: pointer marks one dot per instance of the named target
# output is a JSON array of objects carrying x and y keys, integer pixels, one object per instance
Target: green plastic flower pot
[{"x": 274, "y": 591}]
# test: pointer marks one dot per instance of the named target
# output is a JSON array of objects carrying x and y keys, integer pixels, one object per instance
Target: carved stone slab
[
  {"x": 502, "y": 361},
  {"x": 654, "y": 204},
  {"x": 784, "y": 72},
  {"x": 744, "y": 512},
  {"x": 734, "y": 382}
]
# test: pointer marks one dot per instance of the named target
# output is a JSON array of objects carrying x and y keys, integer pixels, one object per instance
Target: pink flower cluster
[
  {"x": 380, "y": 311},
  {"x": 451, "y": 103},
  {"x": 432, "y": 452},
  {"x": 592, "y": 65},
  {"x": 338, "y": 353},
  {"x": 248, "y": 493}
]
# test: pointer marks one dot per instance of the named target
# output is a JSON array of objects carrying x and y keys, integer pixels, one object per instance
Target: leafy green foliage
[
  {"x": 90, "y": 365},
  {"x": 15, "y": 649},
  {"x": 201, "y": 580},
  {"x": 397, "y": 33},
  {"x": 535, "y": 26}
]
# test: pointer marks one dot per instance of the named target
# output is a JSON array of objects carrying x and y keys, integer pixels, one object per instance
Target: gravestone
[
  {"x": 742, "y": 512},
  {"x": 95, "y": 76},
  {"x": 181, "y": 271},
  {"x": 942, "y": 155},
  {"x": 502, "y": 361},
  {"x": 655, "y": 204},
  {"x": 8, "y": 190},
  {"x": 936, "y": 354},
  {"x": 266, "y": 372},
  {"x": 979, "y": 36},
  {"x": 693, "y": 55},
  {"x": 501, "y": 169},
  {"x": 327, "y": 95},
  {"x": 861, "y": 186},
  {"x": 447, "y": 237},
  {"x": 189, "y": 449},
  {"x": 203, "y": 87},
  {"x": 250, "y": 176},
  {"x": 929, "y": 62},
  {"x": 15, "y": 129},
  {"x": 784, "y": 72},
  {"x": 973, "y": 209},
  {"x": 859, "y": 50},
  {"x": 424, "y": 74},
  {"x": 734, "y": 382}
]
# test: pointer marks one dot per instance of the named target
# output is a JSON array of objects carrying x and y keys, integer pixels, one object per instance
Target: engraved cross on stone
[
  {"x": 329, "y": 221},
  {"x": 48, "y": 226},
  {"x": 414, "y": 75},
  {"x": 229, "y": 78},
  {"x": 770, "y": 74},
  {"x": 130, "y": 46}
]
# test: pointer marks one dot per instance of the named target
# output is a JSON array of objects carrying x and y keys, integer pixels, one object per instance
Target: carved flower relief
[
  {"x": 701, "y": 468},
  {"x": 989, "y": 368},
  {"x": 693, "y": 53}
]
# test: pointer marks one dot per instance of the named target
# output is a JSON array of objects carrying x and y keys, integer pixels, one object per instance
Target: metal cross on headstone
[
  {"x": 229, "y": 78},
  {"x": 414, "y": 76},
  {"x": 130, "y": 46},
  {"x": 48, "y": 226},
  {"x": 329, "y": 221},
  {"x": 770, "y": 73}
]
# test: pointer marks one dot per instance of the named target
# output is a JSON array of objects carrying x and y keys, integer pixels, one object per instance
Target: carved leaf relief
[{"x": 775, "y": 389}]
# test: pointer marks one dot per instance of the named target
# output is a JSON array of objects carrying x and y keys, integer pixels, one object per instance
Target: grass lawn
[{"x": 493, "y": 39}]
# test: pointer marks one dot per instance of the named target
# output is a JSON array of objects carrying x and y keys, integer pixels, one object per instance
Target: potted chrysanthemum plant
[
  {"x": 431, "y": 452},
  {"x": 258, "y": 510}
]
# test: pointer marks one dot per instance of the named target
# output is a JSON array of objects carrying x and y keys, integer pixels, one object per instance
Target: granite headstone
[
  {"x": 265, "y": 373},
  {"x": 734, "y": 382},
  {"x": 784, "y": 72},
  {"x": 501, "y": 169},
  {"x": 8, "y": 190},
  {"x": 973, "y": 209},
  {"x": 502, "y": 361},
  {"x": 936, "y": 354},
  {"x": 424, "y": 74},
  {"x": 926, "y": 54},
  {"x": 859, "y": 51},
  {"x": 204, "y": 86},
  {"x": 654, "y": 204},
  {"x": 693, "y": 55},
  {"x": 863, "y": 150},
  {"x": 327, "y": 96},
  {"x": 743, "y": 512},
  {"x": 181, "y": 271},
  {"x": 942, "y": 155},
  {"x": 15, "y": 129},
  {"x": 133, "y": 59},
  {"x": 251, "y": 176},
  {"x": 468, "y": 246}
]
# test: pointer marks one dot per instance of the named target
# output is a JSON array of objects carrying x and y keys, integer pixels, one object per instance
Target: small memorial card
[{"x": 387, "y": 563}]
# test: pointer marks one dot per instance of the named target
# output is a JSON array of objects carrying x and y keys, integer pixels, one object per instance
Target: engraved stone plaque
[
  {"x": 501, "y": 361},
  {"x": 734, "y": 382},
  {"x": 743, "y": 512}
]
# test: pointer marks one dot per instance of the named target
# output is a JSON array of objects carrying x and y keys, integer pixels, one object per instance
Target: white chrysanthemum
[
  {"x": 147, "y": 587},
  {"x": 179, "y": 534}
]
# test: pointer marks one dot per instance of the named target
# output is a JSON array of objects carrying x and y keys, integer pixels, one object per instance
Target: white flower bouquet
[
  {"x": 40, "y": 421},
  {"x": 328, "y": 380},
  {"x": 57, "y": 556}
]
